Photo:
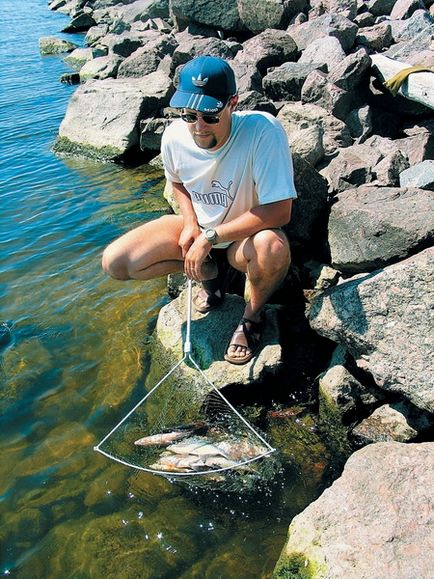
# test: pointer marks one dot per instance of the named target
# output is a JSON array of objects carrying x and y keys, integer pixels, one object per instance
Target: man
[{"x": 231, "y": 174}]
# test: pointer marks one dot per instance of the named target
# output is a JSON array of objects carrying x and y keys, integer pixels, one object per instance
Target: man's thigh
[{"x": 241, "y": 252}]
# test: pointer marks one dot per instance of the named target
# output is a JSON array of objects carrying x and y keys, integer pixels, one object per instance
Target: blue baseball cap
[{"x": 205, "y": 85}]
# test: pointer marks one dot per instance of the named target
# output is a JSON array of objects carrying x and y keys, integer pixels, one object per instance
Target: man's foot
[
  {"x": 244, "y": 342},
  {"x": 210, "y": 296}
]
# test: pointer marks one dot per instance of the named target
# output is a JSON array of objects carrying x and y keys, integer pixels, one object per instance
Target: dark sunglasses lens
[{"x": 192, "y": 118}]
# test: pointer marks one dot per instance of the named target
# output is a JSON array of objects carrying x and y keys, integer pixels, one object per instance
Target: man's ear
[{"x": 234, "y": 102}]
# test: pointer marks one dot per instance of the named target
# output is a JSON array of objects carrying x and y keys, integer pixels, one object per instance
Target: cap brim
[{"x": 197, "y": 102}]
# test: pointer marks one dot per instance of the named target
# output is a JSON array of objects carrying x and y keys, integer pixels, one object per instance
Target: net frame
[{"x": 187, "y": 357}]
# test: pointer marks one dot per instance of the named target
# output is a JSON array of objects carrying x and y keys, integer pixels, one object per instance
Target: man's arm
[
  {"x": 267, "y": 216},
  {"x": 191, "y": 228}
]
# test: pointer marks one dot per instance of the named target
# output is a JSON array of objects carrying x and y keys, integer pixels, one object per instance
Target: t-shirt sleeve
[
  {"x": 273, "y": 172},
  {"x": 168, "y": 156}
]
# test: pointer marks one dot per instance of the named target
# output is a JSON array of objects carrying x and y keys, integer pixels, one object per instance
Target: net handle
[{"x": 187, "y": 344}]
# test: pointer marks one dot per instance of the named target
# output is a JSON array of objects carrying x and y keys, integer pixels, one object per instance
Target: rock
[
  {"x": 364, "y": 19},
  {"x": 385, "y": 424},
  {"x": 296, "y": 116},
  {"x": 359, "y": 123},
  {"x": 258, "y": 16},
  {"x": 324, "y": 52},
  {"x": 388, "y": 169},
  {"x": 420, "y": 175},
  {"x": 53, "y": 45},
  {"x": 317, "y": 90},
  {"x": 80, "y": 23},
  {"x": 70, "y": 78},
  {"x": 351, "y": 71},
  {"x": 419, "y": 142},
  {"x": 269, "y": 48},
  {"x": 147, "y": 58},
  {"x": 352, "y": 166},
  {"x": 255, "y": 101},
  {"x": 102, "y": 119},
  {"x": 248, "y": 77},
  {"x": 394, "y": 349},
  {"x": 125, "y": 44},
  {"x": 151, "y": 131},
  {"x": 224, "y": 13},
  {"x": 380, "y": 7},
  {"x": 366, "y": 229},
  {"x": 284, "y": 82},
  {"x": 191, "y": 46},
  {"x": 403, "y": 9},
  {"x": 375, "y": 38},
  {"x": 369, "y": 520},
  {"x": 321, "y": 276},
  {"x": 210, "y": 335},
  {"x": 309, "y": 144},
  {"x": 100, "y": 68},
  {"x": 327, "y": 25},
  {"x": 95, "y": 33},
  {"x": 347, "y": 8},
  {"x": 421, "y": 23},
  {"x": 79, "y": 57}
]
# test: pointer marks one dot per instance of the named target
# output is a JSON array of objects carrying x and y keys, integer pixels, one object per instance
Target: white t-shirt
[{"x": 254, "y": 167}]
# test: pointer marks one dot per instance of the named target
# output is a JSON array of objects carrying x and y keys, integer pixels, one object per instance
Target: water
[{"x": 73, "y": 355}]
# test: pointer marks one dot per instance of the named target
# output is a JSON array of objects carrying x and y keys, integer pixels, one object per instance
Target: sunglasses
[{"x": 208, "y": 119}]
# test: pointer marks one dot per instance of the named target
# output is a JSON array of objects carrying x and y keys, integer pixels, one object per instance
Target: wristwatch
[{"x": 211, "y": 235}]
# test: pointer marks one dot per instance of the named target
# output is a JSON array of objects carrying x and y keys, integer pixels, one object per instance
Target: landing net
[{"x": 185, "y": 427}]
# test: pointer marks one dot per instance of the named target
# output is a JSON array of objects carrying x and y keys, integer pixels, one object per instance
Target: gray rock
[
  {"x": 225, "y": 14},
  {"x": 80, "y": 23},
  {"x": 308, "y": 143},
  {"x": 347, "y": 8},
  {"x": 191, "y": 46},
  {"x": 380, "y": 7},
  {"x": 53, "y": 45},
  {"x": 375, "y": 38},
  {"x": 369, "y": 520},
  {"x": 269, "y": 48},
  {"x": 387, "y": 171},
  {"x": 385, "y": 424},
  {"x": 248, "y": 77},
  {"x": 420, "y": 175},
  {"x": 296, "y": 116},
  {"x": 210, "y": 335},
  {"x": 326, "y": 51},
  {"x": 366, "y": 229},
  {"x": 78, "y": 57},
  {"x": 100, "y": 68},
  {"x": 359, "y": 123},
  {"x": 321, "y": 277},
  {"x": 352, "y": 166},
  {"x": 125, "y": 44},
  {"x": 285, "y": 81},
  {"x": 255, "y": 101},
  {"x": 309, "y": 209},
  {"x": 420, "y": 23},
  {"x": 418, "y": 147},
  {"x": 151, "y": 131},
  {"x": 102, "y": 119},
  {"x": 385, "y": 320},
  {"x": 95, "y": 33},
  {"x": 351, "y": 71},
  {"x": 258, "y": 16},
  {"x": 403, "y": 9},
  {"x": 147, "y": 59},
  {"x": 317, "y": 90},
  {"x": 327, "y": 25},
  {"x": 364, "y": 19}
]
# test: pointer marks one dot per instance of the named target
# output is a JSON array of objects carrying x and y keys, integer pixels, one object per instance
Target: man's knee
[
  {"x": 114, "y": 263},
  {"x": 272, "y": 248}
]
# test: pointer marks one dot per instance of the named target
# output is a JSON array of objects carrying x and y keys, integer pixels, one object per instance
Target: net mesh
[{"x": 186, "y": 428}]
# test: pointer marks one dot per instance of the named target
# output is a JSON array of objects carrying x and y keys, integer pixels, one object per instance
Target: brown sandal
[
  {"x": 210, "y": 296},
  {"x": 248, "y": 336}
]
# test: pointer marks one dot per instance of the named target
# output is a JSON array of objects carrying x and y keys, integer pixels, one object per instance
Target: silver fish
[{"x": 166, "y": 438}]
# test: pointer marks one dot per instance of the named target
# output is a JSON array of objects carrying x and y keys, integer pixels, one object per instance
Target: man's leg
[
  {"x": 148, "y": 251},
  {"x": 265, "y": 258}
]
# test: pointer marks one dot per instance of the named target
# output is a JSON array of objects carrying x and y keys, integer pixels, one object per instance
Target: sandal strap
[{"x": 248, "y": 333}]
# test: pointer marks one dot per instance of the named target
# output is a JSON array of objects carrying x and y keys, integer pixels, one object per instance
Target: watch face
[{"x": 210, "y": 234}]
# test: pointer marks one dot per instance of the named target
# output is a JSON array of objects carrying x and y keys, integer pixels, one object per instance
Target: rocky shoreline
[{"x": 356, "y": 312}]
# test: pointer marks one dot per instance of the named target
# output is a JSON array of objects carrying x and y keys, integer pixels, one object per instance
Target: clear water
[{"x": 74, "y": 357}]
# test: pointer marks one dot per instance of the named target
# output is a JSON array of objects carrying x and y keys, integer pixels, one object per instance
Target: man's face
[{"x": 212, "y": 136}]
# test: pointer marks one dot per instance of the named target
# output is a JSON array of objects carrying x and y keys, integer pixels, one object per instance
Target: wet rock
[
  {"x": 370, "y": 518},
  {"x": 420, "y": 175},
  {"x": 53, "y": 45},
  {"x": 103, "y": 115},
  {"x": 296, "y": 116},
  {"x": 79, "y": 57},
  {"x": 325, "y": 52},
  {"x": 70, "y": 78},
  {"x": 387, "y": 423},
  {"x": 100, "y": 68},
  {"x": 394, "y": 349},
  {"x": 269, "y": 48},
  {"x": 285, "y": 81},
  {"x": 327, "y": 25},
  {"x": 366, "y": 229}
]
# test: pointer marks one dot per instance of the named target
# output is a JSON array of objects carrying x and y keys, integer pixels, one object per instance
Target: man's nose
[{"x": 200, "y": 123}]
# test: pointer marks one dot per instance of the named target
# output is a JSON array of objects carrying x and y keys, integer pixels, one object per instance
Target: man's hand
[
  {"x": 187, "y": 237},
  {"x": 195, "y": 258}
]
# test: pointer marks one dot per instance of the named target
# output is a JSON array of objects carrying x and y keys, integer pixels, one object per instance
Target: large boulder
[
  {"x": 269, "y": 48},
  {"x": 258, "y": 16},
  {"x": 367, "y": 231},
  {"x": 385, "y": 321},
  {"x": 376, "y": 520},
  {"x": 224, "y": 14},
  {"x": 102, "y": 119},
  {"x": 326, "y": 25}
]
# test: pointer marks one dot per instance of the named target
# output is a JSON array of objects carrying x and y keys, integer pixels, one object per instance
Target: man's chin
[{"x": 207, "y": 143}]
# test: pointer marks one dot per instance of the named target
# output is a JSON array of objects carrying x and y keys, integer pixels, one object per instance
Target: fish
[
  {"x": 166, "y": 438},
  {"x": 190, "y": 463}
]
